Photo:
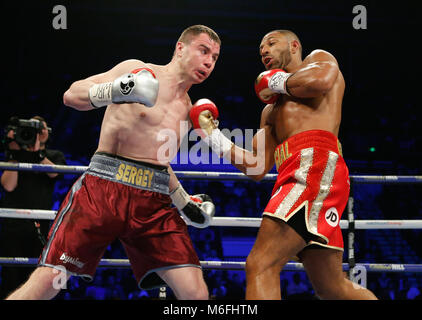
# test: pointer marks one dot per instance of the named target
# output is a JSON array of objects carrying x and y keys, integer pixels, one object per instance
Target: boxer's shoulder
[
  {"x": 157, "y": 69},
  {"x": 319, "y": 55},
  {"x": 131, "y": 64}
]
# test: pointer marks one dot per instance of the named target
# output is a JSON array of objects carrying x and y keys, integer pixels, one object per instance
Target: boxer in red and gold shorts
[
  {"x": 298, "y": 132},
  {"x": 312, "y": 187}
]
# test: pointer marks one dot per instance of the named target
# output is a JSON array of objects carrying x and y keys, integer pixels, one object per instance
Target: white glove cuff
[
  {"x": 100, "y": 94},
  {"x": 278, "y": 82},
  {"x": 179, "y": 197},
  {"x": 219, "y": 143}
]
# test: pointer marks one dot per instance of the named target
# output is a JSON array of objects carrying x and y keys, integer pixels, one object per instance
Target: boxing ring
[{"x": 349, "y": 224}]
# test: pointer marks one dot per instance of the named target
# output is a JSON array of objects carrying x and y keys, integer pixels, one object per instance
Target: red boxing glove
[
  {"x": 203, "y": 115},
  {"x": 269, "y": 84}
]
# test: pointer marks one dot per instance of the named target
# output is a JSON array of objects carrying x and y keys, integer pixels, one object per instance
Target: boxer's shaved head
[{"x": 290, "y": 36}]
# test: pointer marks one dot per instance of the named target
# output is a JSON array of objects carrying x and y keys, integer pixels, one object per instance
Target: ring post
[{"x": 351, "y": 234}]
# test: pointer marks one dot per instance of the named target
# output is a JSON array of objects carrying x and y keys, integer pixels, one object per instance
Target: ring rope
[
  {"x": 350, "y": 224},
  {"x": 229, "y": 265},
  {"x": 228, "y": 221},
  {"x": 203, "y": 175}
]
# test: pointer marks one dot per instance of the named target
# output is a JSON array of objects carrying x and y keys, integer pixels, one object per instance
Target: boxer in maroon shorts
[
  {"x": 127, "y": 191},
  {"x": 298, "y": 131},
  {"x": 137, "y": 212}
]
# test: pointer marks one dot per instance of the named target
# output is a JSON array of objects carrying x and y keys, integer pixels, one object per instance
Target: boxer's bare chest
[
  {"x": 290, "y": 116},
  {"x": 136, "y": 131}
]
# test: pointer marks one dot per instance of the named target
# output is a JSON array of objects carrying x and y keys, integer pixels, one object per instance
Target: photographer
[{"x": 25, "y": 141}]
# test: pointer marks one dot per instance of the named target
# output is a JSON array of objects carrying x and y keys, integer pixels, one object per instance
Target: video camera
[{"x": 25, "y": 131}]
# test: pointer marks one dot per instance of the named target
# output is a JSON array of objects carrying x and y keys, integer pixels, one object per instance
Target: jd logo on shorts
[{"x": 331, "y": 216}]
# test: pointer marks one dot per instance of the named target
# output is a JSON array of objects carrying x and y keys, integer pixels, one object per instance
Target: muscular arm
[
  {"x": 9, "y": 179},
  {"x": 77, "y": 95},
  {"x": 317, "y": 75},
  {"x": 258, "y": 162},
  {"x": 174, "y": 182},
  {"x": 36, "y": 148}
]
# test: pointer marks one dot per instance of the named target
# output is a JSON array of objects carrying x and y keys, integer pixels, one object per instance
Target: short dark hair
[{"x": 192, "y": 31}]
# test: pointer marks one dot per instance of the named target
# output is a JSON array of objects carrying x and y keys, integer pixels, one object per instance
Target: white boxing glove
[
  {"x": 138, "y": 86},
  {"x": 197, "y": 210}
]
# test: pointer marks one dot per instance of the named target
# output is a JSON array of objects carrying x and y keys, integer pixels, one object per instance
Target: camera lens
[{"x": 27, "y": 134}]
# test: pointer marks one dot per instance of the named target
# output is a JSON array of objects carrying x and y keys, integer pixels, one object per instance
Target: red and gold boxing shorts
[
  {"x": 312, "y": 187},
  {"x": 118, "y": 198}
]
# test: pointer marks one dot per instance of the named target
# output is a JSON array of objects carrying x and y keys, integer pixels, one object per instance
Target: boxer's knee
[
  {"x": 252, "y": 265},
  {"x": 257, "y": 264},
  {"x": 50, "y": 280},
  {"x": 333, "y": 290},
  {"x": 44, "y": 283},
  {"x": 195, "y": 292},
  {"x": 187, "y": 283}
]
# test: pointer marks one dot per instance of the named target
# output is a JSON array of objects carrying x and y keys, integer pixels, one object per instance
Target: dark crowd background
[{"x": 380, "y": 131}]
